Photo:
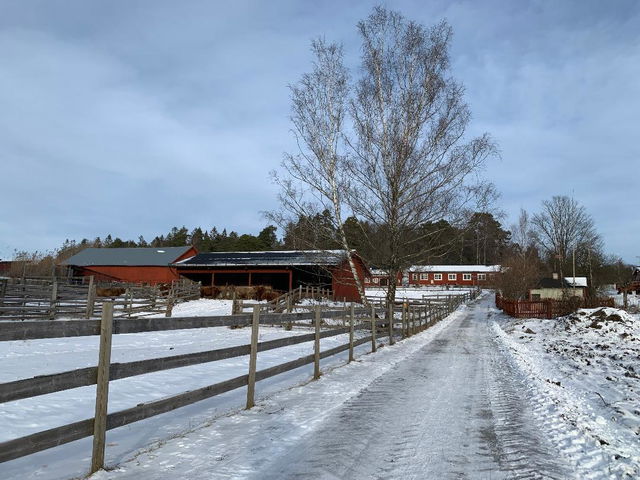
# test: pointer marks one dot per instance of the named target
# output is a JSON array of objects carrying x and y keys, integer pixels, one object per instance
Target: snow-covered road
[{"x": 448, "y": 403}]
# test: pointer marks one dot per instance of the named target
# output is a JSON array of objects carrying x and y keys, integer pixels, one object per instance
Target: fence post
[
  {"x": 390, "y": 320},
  {"x": 404, "y": 319},
  {"x": 253, "y": 357},
  {"x": 127, "y": 301},
  {"x": 351, "y": 315},
  {"x": 316, "y": 345},
  {"x": 54, "y": 298},
  {"x": 102, "y": 388},
  {"x": 170, "y": 305},
  {"x": 91, "y": 298},
  {"x": 373, "y": 328}
]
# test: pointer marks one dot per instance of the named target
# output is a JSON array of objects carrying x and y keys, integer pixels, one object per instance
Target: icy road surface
[{"x": 448, "y": 403}]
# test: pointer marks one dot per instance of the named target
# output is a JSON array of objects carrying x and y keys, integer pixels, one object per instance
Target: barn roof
[
  {"x": 455, "y": 268},
  {"x": 139, "y": 257},
  {"x": 273, "y": 258}
]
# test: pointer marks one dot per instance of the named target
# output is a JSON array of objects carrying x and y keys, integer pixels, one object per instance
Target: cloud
[{"x": 129, "y": 118}]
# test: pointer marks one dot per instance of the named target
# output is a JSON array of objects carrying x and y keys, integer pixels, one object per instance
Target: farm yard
[
  {"x": 22, "y": 359},
  {"x": 556, "y": 413},
  {"x": 319, "y": 240}
]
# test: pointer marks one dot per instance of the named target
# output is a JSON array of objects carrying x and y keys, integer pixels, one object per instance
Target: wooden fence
[
  {"x": 548, "y": 308},
  {"x": 412, "y": 319},
  {"x": 78, "y": 297},
  {"x": 286, "y": 301}
]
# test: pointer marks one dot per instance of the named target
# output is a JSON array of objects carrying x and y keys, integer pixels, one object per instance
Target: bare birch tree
[
  {"x": 391, "y": 152},
  {"x": 316, "y": 180},
  {"x": 410, "y": 163}
]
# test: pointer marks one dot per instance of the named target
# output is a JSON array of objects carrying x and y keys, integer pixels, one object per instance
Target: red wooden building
[
  {"x": 380, "y": 278},
  {"x": 453, "y": 275},
  {"x": 282, "y": 270},
  {"x": 136, "y": 265}
]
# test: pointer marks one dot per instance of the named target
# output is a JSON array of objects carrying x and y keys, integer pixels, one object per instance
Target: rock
[{"x": 528, "y": 330}]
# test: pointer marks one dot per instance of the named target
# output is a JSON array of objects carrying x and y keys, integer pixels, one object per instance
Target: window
[
  {"x": 376, "y": 280},
  {"x": 466, "y": 276},
  {"x": 482, "y": 276},
  {"x": 414, "y": 276},
  {"x": 424, "y": 276},
  {"x": 453, "y": 276},
  {"x": 437, "y": 276},
  {"x": 367, "y": 280}
]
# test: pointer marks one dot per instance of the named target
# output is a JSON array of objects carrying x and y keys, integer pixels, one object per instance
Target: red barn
[
  {"x": 282, "y": 270},
  {"x": 453, "y": 275},
  {"x": 135, "y": 265}
]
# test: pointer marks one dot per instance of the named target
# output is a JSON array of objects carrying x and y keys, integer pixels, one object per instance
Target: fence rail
[{"x": 410, "y": 319}]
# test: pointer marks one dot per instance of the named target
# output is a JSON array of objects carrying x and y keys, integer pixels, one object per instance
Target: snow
[
  {"x": 417, "y": 293},
  {"x": 577, "y": 281},
  {"x": 455, "y": 268},
  {"x": 633, "y": 300},
  {"x": 479, "y": 395},
  {"x": 202, "y": 307},
  {"x": 245, "y": 444},
  {"x": 586, "y": 369},
  {"x": 24, "y": 359}
]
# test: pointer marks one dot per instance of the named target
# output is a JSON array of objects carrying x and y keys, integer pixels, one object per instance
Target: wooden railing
[
  {"x": 286, "y": 301},
  {"x": 412, "y": 319}
]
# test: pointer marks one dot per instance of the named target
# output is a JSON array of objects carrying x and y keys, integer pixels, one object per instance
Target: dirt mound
[{"x": 599, "y": 317}]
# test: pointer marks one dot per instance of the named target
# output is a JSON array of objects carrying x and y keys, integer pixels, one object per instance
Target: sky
[{"x": 130, "y": 118}]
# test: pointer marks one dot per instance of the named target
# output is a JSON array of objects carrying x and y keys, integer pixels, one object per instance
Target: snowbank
[{"x": 587, "y": 367}]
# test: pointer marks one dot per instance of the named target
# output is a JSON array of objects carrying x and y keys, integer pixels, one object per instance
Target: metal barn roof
[
  {"x": 274, "y": 258},
  {"x": 139, "y": 257}
]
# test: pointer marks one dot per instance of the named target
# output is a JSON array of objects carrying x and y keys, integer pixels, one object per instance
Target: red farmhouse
[
  {"x": 282, "y": 270},
  {"x": 454, "y": 275},
  {"x": 136, "y": 265}
]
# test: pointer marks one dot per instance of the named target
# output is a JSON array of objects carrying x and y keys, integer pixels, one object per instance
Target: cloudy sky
[{"x": 131, "y": 117}]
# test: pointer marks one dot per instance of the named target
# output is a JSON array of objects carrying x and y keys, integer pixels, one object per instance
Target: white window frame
[
  {"x": 367, "y": 280},
  {"x": 452, "y": 276},
  {"x": 424, "y": 276},
  {"x": 414, "y": 276},
  {"x": 376, "y": 280},
  {"x": 437, "y": 276},
  {"x": 466, "y": 277},
  {"x": 482, "y": 276}
]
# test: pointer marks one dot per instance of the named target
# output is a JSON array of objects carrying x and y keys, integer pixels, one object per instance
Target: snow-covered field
[
  {"x": 409, "y": 293},
  {"x": 25, "y": 359},
  {"x": 586, "y": 368}
]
